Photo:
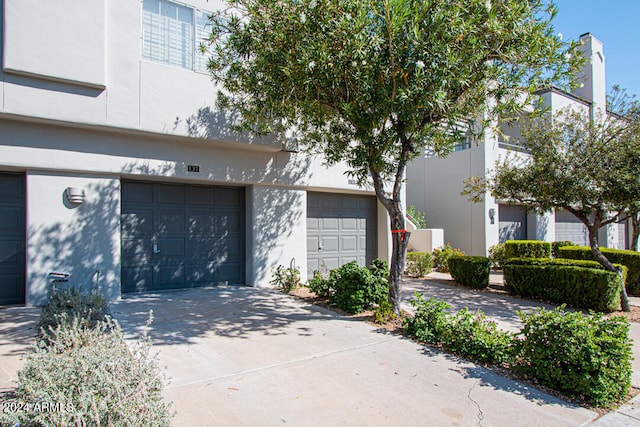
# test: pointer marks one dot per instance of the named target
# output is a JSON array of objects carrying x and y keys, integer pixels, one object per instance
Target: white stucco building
[
  {"x": 116, "y": 168},
  {"x": 434, "y": 184}
]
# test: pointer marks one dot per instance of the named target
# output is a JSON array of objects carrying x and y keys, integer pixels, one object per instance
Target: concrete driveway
[{"x": 245, "y": 356}]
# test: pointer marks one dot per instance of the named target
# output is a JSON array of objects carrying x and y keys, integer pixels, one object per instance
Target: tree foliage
[
  {"x": 587, "y": 165},
  {"x": 372, "y": 83}
]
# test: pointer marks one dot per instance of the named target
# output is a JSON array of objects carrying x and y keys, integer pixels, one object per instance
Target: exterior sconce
[
  {"x": 75, "y": 195},
  {"x": 492, "y": 215}
]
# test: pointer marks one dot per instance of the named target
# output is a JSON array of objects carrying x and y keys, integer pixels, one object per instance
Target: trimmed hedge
[
  {"x": 587, "y": 357},
  {"x": 555, "y": 247},
  {"x": 419, "y": 263},
  {"x": 580, "y": 286},
  {"x": 527, "y": 249},
  {"x": 629, "y": 258},
  {"x": 471, "y": 271}
]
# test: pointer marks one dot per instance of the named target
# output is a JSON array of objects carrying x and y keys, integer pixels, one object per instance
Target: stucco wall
[{"x": 83, "y": 240}]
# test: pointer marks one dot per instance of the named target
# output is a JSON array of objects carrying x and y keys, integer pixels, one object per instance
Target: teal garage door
[
  {"x": 12, "y": 238},
  {"x": 181, "y": 236}
]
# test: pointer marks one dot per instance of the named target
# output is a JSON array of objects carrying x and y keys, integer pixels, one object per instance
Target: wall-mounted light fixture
[
  {"x": 75, "y": 195},
  {"x": 492, "y": 215}
]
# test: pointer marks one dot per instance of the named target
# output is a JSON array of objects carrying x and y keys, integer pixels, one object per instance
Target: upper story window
[{"x": 172, "y": 33}]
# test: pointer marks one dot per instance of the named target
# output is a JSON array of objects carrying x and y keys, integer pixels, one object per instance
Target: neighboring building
[
  {"x": 116, "y": 168},
  {"x": 434, "y": 184}
]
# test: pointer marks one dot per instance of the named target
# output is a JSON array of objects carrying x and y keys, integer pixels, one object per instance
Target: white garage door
[{"x": 568, "y": 227}]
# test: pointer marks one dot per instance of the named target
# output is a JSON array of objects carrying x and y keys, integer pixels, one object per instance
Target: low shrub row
[
  {"x": 580, "y": 284},
  {"x": 470, "y": 271},
  {"x": 629, "y": 258},
  {"x": 587, "y": 357},
  {"x": 419, "y": 263},
  {"x": 83, "y": 373},
  {"x": 527, "y": 249},
  {"x": 353, "y": 288}
]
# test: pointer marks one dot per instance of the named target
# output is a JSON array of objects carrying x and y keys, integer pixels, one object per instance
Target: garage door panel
[
  {"x": 329, "y": 263},
  {"x": 170, "y": 221},
  {"x": 171, "y": 249},
  {"x": 201, "y": 223},
  {"x": 10, "y": 252},
  {"x": 201, "y": 274},
  {"x": 12, "y": 221},
  {"x": 169, "y": 277},
  {"x": 137, "y": 192},
  {"x": 10, "y": 287},
  {"x": 170, "y": 194},
  {"x": 347, "y": 259},
  {"x": 228, "y": 222},
  {"x": 330, "y": 244},
  {"x": 137, "y": 279},
  {"x": 230, "y": 274},
  {"x": 136, "y": 252},
  {"x": 349, "y": 243},
  {"x": 137, "y": 222},
  {"x": 200, "y": 195},
  {"x": 330, "y": 224},
  {"x": 349, "y": 224},
  {"x": 12, "y": 188},
  {"x": 199, "y": 232},
  {"x": 312, "y": 244}
]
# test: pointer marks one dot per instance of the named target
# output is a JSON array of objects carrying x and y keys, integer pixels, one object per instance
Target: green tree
[
  {"x": 373, "y": 83},
  {"x": 586, "y": 166}
]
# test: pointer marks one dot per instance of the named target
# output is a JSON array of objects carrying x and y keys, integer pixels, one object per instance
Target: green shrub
[
  {"x": 497, "y": 255},
  {"x": 555, "y": 247},
  {"x": 441, "y": 257},
  {"x": 419, "y": 263},
  {"x": 320, "y": 285},
  {"x": 91, "y": 377},
  {"x": 467, "y": 334},
  {"x": 285, "y": 279},
  {"x": 583, "y": 287},
  {"x": 417, "y": 217},
  {"x": 527, "y": 249},
  {"x": 384, "y": 311},
  {"x": 355, "y": 289},
  {"x": 70, "y": 304},
  {"x": 629, "y": 258},
  {"x": 471, "y": 271},
  {"x": 587, "y": 357}
]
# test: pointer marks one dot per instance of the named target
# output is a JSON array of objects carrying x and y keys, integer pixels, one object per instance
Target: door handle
[
  {"x": 155, "y": 248},
  {"x": 320, "y": 245}
]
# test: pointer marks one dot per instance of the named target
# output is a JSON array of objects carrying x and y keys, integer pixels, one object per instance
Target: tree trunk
[
  {"x": 608, "y": 265},
  {"x": 400, "y": 241},
  {"x": 635, "y": 231}
]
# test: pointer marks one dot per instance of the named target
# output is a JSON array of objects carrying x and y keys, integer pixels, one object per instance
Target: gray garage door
[
  {"x": 340, "y": 229},
  {"x": 181, "y": 236},
  {"x": 568, "y": 227},
  {"x": 623, "y": 237},
  {"x": 513, "y": 223},
  {"x": 12, "y": 238}
]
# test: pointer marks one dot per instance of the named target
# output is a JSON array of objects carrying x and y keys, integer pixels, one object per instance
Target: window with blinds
[{"x": 172, "y": 33}]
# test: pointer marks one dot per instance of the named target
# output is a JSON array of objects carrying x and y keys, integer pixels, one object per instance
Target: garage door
[
  {"x": 623, "y": 237},
  {"x": 568, "y": 227},
  {"x": 12, "y": 238},
  {"x": 181, "y": 236},
  {"x": 340, "y": 229},
  {"x": 513, "y": 223}
]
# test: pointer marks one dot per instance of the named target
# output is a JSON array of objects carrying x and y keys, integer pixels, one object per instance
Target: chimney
[{"x": 591, "y": 77}]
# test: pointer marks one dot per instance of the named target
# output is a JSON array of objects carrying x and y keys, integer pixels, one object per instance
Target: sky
[{"x": 616, "y": 23}]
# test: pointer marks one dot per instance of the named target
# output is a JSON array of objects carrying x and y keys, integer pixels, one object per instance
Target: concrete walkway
[{"x": 245, "y": 356}]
